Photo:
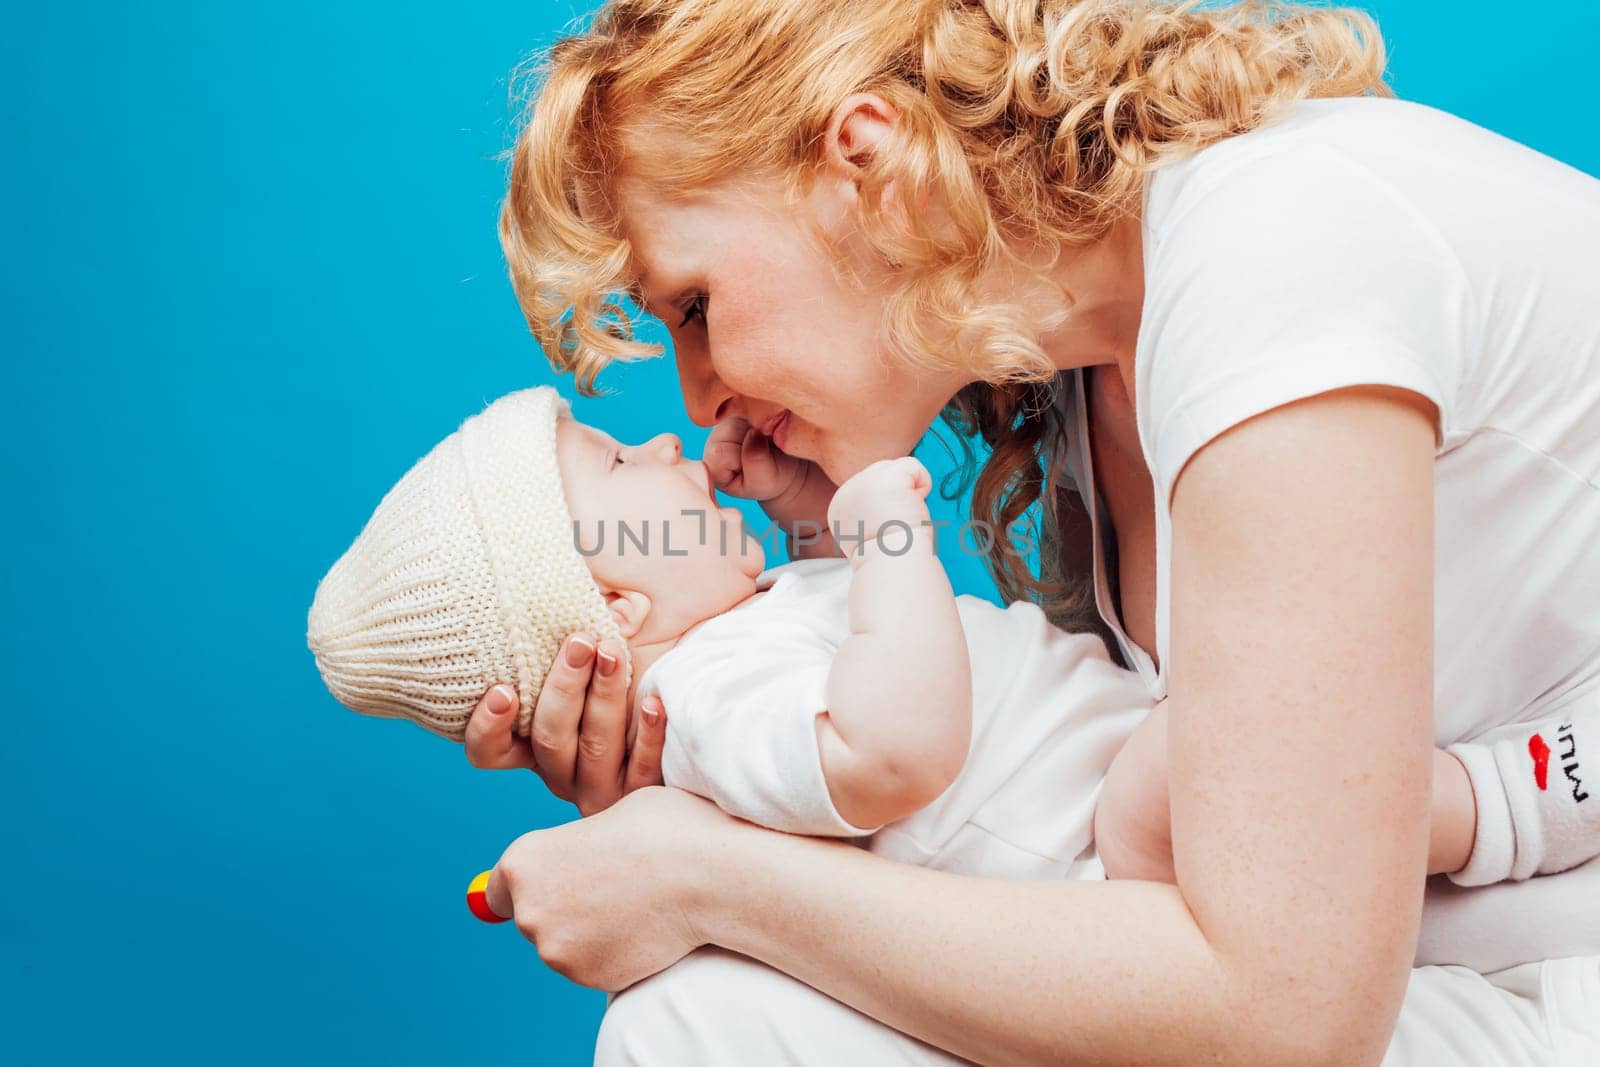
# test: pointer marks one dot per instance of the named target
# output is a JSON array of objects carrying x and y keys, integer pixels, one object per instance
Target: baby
[{"x": 854, "y": 697}]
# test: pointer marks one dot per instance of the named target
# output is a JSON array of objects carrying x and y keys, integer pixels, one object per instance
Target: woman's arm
[
  {"x": 1300, "y": 703},
  {"x": 1133, "y": 816},
  {"x": 1301, "y": 696}
]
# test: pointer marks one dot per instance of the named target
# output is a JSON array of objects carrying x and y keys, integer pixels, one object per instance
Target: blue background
[{"x": 251, "y": 274}]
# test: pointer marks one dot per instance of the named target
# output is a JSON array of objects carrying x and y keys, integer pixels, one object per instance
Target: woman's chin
[
  {"x": 803, "y": 445},
  {"x": 840, "y": 467},
  {"x": 839, "y": 460}
]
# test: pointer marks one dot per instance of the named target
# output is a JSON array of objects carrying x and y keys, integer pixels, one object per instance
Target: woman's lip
[
  {"x": 779, "y": 433},
  {"x": 770, "y": 423}
]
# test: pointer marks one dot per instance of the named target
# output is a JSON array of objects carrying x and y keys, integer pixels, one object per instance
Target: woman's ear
[
  {"x": 859, "y": 124},
  {"x": 630, "y": 609}
]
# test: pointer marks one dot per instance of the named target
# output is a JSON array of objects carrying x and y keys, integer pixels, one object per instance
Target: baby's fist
[
  {"x": 906, "y": 474},
  {"x": 889, "y": 491},
  {"x": 744, "y": 462}
]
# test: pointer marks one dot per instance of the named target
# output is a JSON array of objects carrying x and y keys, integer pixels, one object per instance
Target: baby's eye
[{"x": 695, "y": 310}]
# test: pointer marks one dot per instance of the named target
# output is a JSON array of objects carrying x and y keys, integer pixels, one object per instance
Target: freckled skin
[{"x": 781, "y": 329}]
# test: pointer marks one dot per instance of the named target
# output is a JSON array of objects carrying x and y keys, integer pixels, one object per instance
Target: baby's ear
[{"x": 630, "y": 609}]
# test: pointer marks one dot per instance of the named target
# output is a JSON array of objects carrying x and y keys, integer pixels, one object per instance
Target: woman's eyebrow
[
  {"x": 651, "y": 307},
  {"x": 641, "y": 287},
  {"x": 677, "y": 301},
  {"x": 640, "y": 292}
]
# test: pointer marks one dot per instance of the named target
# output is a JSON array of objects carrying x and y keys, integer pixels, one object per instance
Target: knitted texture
[{"x": 466, "y": 575}]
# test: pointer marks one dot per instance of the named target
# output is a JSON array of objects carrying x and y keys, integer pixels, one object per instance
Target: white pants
[{"x": 716, "y": 1008}]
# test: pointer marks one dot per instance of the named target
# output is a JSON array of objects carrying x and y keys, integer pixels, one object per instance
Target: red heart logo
[{"x": 1541, "y": 760}]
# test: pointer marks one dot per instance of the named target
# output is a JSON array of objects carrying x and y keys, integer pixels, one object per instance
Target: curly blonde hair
[{"x": 1026, "y": 121}]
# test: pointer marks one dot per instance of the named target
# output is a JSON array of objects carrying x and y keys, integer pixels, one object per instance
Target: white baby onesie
[{"x": 1049, "y": 711}]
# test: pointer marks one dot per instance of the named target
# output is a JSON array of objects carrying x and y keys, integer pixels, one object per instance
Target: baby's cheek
[{"x": 718, "y": 558}]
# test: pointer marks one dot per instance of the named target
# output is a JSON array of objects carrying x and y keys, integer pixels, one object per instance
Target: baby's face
[{"x": 649, "y": 523}]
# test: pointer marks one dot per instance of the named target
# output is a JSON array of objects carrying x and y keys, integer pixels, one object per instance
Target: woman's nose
[{"x": 705, "y": 397}]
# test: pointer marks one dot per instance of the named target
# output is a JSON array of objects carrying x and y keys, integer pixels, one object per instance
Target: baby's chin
[{"x": 751, "y": 566}]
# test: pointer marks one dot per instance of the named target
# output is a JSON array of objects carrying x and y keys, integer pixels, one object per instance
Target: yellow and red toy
[{"x": 478, "y": 900}]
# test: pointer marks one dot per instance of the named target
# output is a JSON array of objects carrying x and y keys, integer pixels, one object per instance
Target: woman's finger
[
  {"x": 603, "y": 733},
  {"x": 491, "y": 744},
  {"x": 597, "y": 896},
  {"x": 644, "y": 759},
  {"x": 558, "y": 712},
  {"x": 497, "y": 894}
]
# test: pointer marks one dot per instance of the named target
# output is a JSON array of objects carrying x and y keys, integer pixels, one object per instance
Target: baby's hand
[
  {"x": 744, "y": 463},
  {"x": 876, "y": 502}
]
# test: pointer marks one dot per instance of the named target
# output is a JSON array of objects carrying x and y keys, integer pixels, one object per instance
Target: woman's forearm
[
  {"x": 998, "y": 972},
  {"x": 1299, "y": 760}
]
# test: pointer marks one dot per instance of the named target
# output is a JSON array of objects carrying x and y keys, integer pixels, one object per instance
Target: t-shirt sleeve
[
  {"x": 1274, "y": 279},
  {"x": 742, "y": 730}
]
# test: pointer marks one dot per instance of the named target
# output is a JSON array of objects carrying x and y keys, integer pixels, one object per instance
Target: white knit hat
[{"x": 468, "y": 574}]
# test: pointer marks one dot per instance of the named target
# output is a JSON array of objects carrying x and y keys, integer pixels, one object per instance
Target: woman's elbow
[
  {"x": 1318, "y": 1045},
  {"x": 1308, "y": 1023}
]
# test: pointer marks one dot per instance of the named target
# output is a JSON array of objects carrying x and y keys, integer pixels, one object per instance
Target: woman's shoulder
[
  {"x": 1318, "y": 143},
  {"x": 1395, "y": 155},
  {"x": 1314, "y": 253}
]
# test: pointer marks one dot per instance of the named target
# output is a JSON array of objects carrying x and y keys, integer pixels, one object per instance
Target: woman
[{"x": 1330, "y": 395}]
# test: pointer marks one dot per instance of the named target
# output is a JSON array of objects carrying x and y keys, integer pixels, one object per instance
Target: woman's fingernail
[
  {"x": 579, "y": 652},
  {"x": 652, "y": 714},
  {"x": 502, "y": 698},
  {"x": 607, "y": 664}
]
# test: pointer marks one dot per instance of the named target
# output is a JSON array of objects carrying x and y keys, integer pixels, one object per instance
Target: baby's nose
[{"x": 667, "y": 446}]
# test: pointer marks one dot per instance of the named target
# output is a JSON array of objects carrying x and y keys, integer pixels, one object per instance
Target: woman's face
[{"x": 763, "y": 327}]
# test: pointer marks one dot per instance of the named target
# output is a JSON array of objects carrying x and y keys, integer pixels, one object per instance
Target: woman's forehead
[
  {"x": 664, "y": 226},
  {"x": 642, "y": 207},
  {"x": 664, "y": 235}
]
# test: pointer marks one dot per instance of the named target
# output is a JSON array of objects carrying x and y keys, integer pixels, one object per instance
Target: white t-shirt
[
  {"x": 1376, "y": 242},
  {"x": 1049, "y": 711}
]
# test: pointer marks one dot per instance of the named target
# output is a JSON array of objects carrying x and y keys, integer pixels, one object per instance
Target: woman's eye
[{"x": 695, "y": 310}]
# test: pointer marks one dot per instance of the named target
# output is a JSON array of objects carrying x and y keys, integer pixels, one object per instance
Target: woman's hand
[
  {"x": 793, "y": 492},
  {"x": 579, "y": 740},
  {"x": 607, "y": 900}
]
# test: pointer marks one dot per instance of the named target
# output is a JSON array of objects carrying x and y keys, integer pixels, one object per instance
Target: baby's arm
[
  {"x": 1133, "y": 820},
  {"x": 899, "y": 717}
]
